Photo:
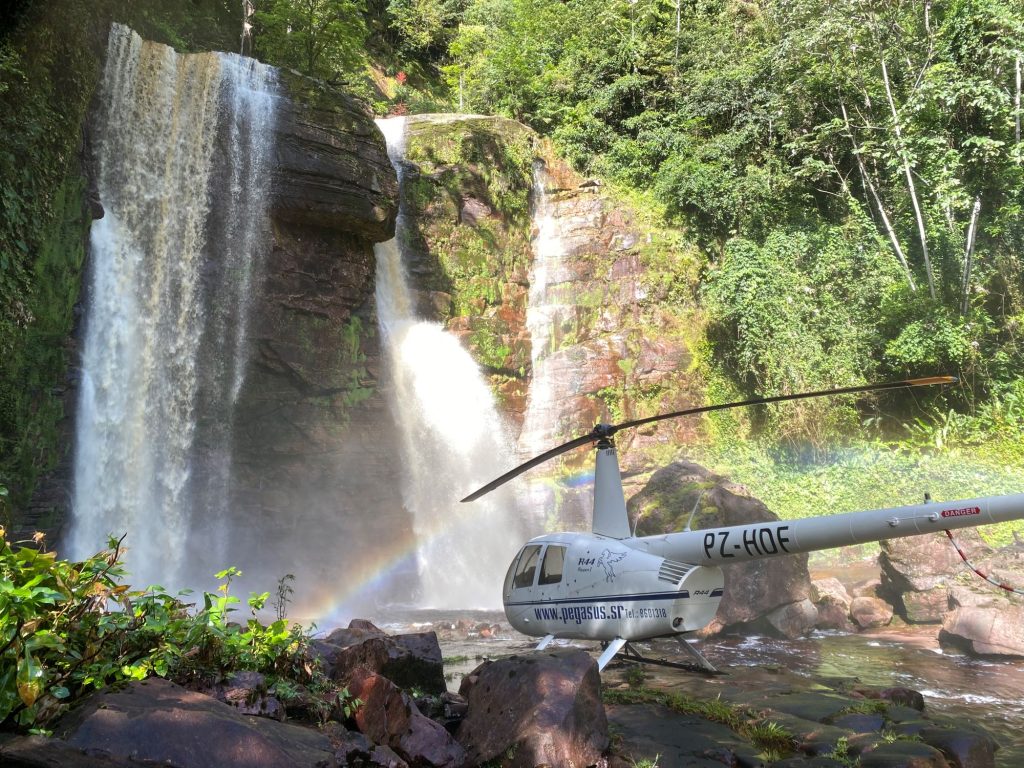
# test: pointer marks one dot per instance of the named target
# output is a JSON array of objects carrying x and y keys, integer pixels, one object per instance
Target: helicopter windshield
[{"x": 526, "y": 570}]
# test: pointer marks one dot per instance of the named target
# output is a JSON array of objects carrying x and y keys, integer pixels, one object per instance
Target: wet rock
[
  {"x": 860, "y": 723},
  {"x": 963, "y": 747},
  {"x": 916, "y": 573},
  {"x": 808, "y": 762},
  {"x": 390, "y": 718},
  {"x": 868, "y": 612},
  {"x": 42, "y": 752},
  {"x": 649, "y": 731},
  {"x": 535, "y": 709},
  {"x": 830, "y": 590},
  {"x": 409, "y": 660},
  {"x": 332, "y": 168},
  {"x": 919, "y": 563},
  {"x": 903, "y": 754},
  {"x": 159, "y": 722},
  {"x": 833, "y": 603},
  {"x": 905, "y": 697},
  {"x": 986, "y": 631}
]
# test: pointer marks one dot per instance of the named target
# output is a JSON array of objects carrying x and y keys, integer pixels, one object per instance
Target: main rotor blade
[
  {"x": 607, "y": 430},
  {"x": 924, "y": 382},
  {"x": 540, "y": 459}
]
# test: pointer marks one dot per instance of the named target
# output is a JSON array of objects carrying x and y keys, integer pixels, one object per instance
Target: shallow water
[{"x": 986, "y": 692}]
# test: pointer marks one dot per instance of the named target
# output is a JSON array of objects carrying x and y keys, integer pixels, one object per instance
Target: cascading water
[
  {"x": 551, "y": 303},
  {"x": 172, "y": 277},
  {"x": 452, "y": 438},
  {"x": 545, "y": 310}
]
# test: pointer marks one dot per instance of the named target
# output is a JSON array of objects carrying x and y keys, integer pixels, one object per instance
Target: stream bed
[{"x": 986, "y": 692}]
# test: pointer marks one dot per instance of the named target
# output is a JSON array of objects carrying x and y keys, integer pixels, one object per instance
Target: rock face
[
  {"x": 772, "y": 593},
  {"x": 389, "y": 717},
  {"x": 535, "y": 709},
  {"x": 311, "y": 434},
  {"x": 612, "y": 301}
]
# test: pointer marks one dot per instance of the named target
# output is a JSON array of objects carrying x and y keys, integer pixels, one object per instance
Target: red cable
[{"x": 978, "y": 571}]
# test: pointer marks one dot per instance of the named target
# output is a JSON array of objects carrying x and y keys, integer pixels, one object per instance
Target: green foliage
[
  {"x": 320, "y": 38},
  {"x": 67, "y": 628}
]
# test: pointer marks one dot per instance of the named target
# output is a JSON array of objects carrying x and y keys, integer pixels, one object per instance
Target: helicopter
[{"x": 611, "y": 586}]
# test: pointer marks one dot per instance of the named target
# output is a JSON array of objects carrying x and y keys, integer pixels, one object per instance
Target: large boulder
[
  {"x": 389, "y": 717},
  {"x": 986, "y": 631},
  {"x": 535, "y": 709},
  {"x": 155, "y": 721},
  {"x": 916, "y": 572},
  {"x": 754, "y": 588},
  {"x": 409, "y": 660}
]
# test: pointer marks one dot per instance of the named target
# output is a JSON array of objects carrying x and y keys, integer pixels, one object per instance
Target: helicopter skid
[{"x": 629, "y": 653}]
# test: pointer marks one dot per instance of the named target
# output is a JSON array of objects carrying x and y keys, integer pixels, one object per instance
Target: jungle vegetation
[{"x": 851, "y": 172}]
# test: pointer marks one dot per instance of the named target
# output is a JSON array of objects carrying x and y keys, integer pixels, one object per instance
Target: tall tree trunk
[
  {"x": 1017, "y": 100},
  {"x": 910, "y": 181},
  {"x": 679, "y": 11},
  {"x": 972, "y": 232},
  {"x": 866, "y": 178}
]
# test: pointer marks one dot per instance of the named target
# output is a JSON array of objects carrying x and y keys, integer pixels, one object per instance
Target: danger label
[{"x": 961, "y": 512}]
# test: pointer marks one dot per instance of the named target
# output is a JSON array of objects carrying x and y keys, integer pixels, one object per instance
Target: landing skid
[{"x": 700, "y": 664}]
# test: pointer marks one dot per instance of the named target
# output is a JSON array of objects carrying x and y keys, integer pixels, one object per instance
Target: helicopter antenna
[
  {"x": 604, "y": 432},
  {"x": 694, "y": 510}
]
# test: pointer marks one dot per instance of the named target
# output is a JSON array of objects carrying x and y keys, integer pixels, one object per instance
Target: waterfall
[
  {"x": 544, "y": 312},
  {"x": 551, "y": 308},
  {"x": 452, "y": 439},
  {"x": 184, "y": 142}
]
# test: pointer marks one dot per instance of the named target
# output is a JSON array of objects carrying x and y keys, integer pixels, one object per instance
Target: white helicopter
[{"x": 611, "y": 586}]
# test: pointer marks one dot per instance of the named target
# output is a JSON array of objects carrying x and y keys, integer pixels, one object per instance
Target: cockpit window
[
  {"x": 551, "y": 570},
  {"x": 527, "y": 568}
]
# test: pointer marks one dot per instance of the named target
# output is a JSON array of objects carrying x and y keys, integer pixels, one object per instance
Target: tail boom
[{"x": 755, "y": 541}]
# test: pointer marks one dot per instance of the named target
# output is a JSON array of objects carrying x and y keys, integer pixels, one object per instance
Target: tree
[{"x": 320, "y": 38}]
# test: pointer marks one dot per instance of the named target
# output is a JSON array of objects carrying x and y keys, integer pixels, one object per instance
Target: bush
[{"x": 67, "y": 628}]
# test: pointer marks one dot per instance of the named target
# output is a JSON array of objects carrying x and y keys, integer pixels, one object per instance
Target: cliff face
[
  {"x": 313, "y": 447},
  {"x": 616, "y": 298}
]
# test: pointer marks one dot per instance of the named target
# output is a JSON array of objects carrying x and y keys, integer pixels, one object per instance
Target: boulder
[
  {"x": 986, "y": 631},
  {"x": 155, "y": 721},
  {"x": 409, "y": 660},
  {"x": 870, "y": 612},
  {"x": 390, "y": 718},
  {"x": 753, "y": 589},
  {"x": 794, "y": 620},
  {"x": 903, "y": 754},
  {"x": 830, "y": 590},
  {"x": 963, "y": 747},
  {"x": 541, "y": 708}
]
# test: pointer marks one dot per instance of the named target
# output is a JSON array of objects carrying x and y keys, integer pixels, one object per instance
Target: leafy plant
[{"x": 67, "y": 628}]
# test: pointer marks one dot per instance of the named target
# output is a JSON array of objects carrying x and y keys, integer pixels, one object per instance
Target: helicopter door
[{"x": 554, "y": 564}]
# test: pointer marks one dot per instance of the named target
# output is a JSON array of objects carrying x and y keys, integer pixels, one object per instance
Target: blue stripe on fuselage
[{"x": 636, "y": 598}]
